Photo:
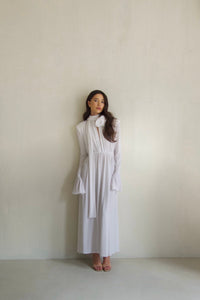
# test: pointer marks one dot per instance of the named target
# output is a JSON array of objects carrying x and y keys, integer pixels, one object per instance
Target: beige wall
[{"x": 146, "y": 56}]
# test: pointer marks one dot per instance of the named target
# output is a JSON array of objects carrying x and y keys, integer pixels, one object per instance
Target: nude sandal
[
  {"x": 95, "y": 267},
  {"x": 97, "y": 264},
  {"x": 106, "y": 267}
]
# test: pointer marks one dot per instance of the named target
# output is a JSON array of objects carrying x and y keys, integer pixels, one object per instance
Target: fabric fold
[
  {"x": 78, "y": 187},
  {"x": 115, "y": 182},
  {"x": 91, "y": 175},
  {"x": 116, "y": 179}
]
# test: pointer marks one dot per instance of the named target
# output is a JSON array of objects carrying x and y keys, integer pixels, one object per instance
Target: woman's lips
[{"x": 98, "y": 108}]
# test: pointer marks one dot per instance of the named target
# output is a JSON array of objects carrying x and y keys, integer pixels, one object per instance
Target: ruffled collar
[{"x": 99, "y": 120}]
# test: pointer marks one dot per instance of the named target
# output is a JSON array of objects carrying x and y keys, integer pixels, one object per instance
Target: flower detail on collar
[{"x": 100, "y": 121}]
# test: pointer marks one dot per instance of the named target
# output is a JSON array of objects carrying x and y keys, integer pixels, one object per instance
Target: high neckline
[{"x": 94, "y": 117}]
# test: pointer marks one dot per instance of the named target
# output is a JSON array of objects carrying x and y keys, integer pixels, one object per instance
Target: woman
[{"x": 98, "y": 180}]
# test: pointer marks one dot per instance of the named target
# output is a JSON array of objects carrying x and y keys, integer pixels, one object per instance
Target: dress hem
[{"x": 96, "y": 251}]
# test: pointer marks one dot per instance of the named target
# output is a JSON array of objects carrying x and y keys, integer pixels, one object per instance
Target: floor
[{"x": 138, "y": 279}]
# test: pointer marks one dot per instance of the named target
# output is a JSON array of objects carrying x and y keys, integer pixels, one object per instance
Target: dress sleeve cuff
[
  {"x": 116, "y": 182},
  {"x": 78, "y": 187}
]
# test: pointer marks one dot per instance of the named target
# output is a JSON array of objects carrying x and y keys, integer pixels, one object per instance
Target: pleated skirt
[{"x": 100, "y": 234}]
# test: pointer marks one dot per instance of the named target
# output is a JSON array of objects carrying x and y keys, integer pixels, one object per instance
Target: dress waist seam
[{"x": 102, "y": 152}]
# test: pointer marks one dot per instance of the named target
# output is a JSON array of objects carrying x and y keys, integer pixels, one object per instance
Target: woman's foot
[
  {"x": 97, "y": 265},
  {"x": 106, "y": 264}
]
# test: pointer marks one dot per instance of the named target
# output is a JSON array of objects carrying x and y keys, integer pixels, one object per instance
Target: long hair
[{"x": 108, "y": 130}]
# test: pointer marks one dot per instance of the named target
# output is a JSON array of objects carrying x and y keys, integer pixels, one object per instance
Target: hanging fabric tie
[{"x": 91, "y": 192}]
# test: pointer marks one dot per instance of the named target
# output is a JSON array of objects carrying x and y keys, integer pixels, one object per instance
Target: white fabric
[{"x": 97, "y": 182}]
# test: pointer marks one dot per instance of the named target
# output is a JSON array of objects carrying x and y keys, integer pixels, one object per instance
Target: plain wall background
[{"x": 145, "y": 55}]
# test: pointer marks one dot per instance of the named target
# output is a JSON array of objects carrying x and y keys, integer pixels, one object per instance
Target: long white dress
[{"x": 97, "y": 183}]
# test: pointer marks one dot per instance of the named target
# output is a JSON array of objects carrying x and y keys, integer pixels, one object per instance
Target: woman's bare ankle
[
  {"x": 97, "y": 265},
  {"x": 106, "y": 259},
  {"x": 96, "y": 258}
]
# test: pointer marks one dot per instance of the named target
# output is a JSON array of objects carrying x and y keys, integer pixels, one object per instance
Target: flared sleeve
[
  {"x": 78, "y": 187},
  {"x": 116, "y": 179}
]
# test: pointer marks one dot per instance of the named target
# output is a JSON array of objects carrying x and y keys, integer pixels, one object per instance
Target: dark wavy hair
[{"x": 108, "y": 131}]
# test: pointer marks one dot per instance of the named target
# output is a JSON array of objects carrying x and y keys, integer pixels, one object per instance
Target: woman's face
[{"x": 96, "y": 104}]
